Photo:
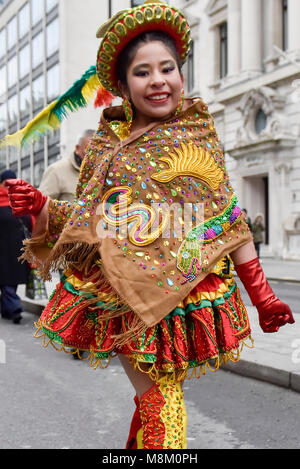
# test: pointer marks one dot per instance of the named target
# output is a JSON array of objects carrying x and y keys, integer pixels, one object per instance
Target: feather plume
[
  {"x": 50, "y": 118},
  {"x": 103, "y": 98},
  {"x": 44, "y": 122},
  {"x": 78, "y": 95}
]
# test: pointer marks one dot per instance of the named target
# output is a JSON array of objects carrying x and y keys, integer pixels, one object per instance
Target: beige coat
[{"x": 60, "y": 179}]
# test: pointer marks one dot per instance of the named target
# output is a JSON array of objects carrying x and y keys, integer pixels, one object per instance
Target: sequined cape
[{"x": 127, "y": 184}]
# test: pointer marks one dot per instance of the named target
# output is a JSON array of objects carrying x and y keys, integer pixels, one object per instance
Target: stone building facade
[
  {"x": 245, "y": 63},
  {"x": 247, "y": 68}
]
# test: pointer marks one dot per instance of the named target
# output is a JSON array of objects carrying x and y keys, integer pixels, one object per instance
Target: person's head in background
[
  {"x": 82, "y": 143},
  {"x": 7, "y": 174},
  {"x": 258, "y": 218}
]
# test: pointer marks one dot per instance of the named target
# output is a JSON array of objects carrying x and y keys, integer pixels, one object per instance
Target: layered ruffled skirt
[{"x": 209, "y": 327}]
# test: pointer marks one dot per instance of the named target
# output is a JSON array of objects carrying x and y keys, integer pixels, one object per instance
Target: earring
[
  {"x": 127, "y": 110},
  {"x": 180, "y": 103}
]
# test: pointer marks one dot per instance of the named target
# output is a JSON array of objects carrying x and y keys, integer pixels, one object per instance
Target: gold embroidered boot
[{"x": 163, "y": 417}]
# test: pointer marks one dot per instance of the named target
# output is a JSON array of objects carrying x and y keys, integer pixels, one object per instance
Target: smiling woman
[
  {"x": 167, "y": 304},
  {"x": 153, "y": 82}
]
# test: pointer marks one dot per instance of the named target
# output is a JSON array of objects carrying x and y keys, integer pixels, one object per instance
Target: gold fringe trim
[
  {"x": 94, "y": 362},
  {"x": 80, "y": 256},
  {"x": 197, "y": 372},
  {"x": 154, "y": 374}
]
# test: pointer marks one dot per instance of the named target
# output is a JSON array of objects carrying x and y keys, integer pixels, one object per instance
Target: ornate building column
[
  {"x": 251, "y": 23},
  {"x": 234, "y": 37},
  {"x": 273, "y": 26},
  {"x": 293, "y": 25}
]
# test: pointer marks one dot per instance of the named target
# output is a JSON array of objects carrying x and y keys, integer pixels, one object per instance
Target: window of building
[
  {"x": 12, "y": 71},
  {"x": 2, "y": 80},
  {"x": 2, "y": 42},
  {"x": 24, "y": 61},
  {"x": 24, "y": 102},
  {"x": 284, "y": 24},
  {"x": 3, "y": 3},
  {"x": 38, "y": 172},
  {"x": 260, "y": 121},
  {"x": 38, "y": 92},
  {"x": 190, "y": 68},
  {"x": 53, "y": 83},
  {"x": 12, "y": 109},
  {"x": 2, "y": 159},
  {"x": 50, "y": 4},
  {"x": 53, "y": 138},
  {"x": 37, "y": 50},
  {"x": 3, "y": 118},
  {"x": 25, "y": 152},
  {"x": 24, "y": 21},
  {"x": 12, "y": 33},
  {"x": 38, "y": 145},
  {"x": 12, "y": 155},
  {"x": 37, "y": 11},
  {"x": 26, "y": 173},
  {"x": 53, "y": 159},
  {"x": 223, "y": 50},
  {"x": 52, "y": 35}
]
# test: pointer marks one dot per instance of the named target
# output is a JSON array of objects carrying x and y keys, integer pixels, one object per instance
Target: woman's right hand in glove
[
  {"x": 272, "y": 312},
  {"x": 24, "y": 198}
]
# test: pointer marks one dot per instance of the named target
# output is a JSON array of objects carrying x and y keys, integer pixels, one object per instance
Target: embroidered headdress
[
  {"x": 117, "y": 32},
  {"x": 128, "y": 24}
]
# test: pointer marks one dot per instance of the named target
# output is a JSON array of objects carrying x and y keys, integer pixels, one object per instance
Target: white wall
[{"x": 79, "y": 22}]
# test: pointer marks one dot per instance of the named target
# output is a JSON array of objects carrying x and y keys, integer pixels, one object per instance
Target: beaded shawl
[{"x": 120, "y": 231}]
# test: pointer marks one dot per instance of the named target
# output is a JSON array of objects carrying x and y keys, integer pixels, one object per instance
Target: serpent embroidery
[
  {"x": 145, "y": 224},
  {"x": 189, "y": 253}
]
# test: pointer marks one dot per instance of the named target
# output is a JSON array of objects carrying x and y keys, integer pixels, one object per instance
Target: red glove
[
  {"x": 271, "y": 311},
  {"x": 24, "y": 198}
]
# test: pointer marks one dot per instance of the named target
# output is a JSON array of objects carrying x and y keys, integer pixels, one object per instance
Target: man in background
[
  {"x": 247, "y": 219},
  {"x": 60, "y": 178}
]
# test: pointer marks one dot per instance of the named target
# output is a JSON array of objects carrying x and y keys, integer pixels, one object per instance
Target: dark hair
[{"x": 128, "y": 53}]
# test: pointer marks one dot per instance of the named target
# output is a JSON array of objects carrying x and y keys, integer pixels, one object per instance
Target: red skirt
[{"x": 209, "y": 327}]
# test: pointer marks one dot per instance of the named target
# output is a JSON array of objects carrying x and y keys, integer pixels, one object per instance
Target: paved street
[{"x": 49, "y": 400}]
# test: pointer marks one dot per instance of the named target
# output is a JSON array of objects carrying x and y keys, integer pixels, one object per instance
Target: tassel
[
  {"x": 76, "y": 97},
  {"x": 103, "y": 98},
  {"x": 44, "y": 122}
]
